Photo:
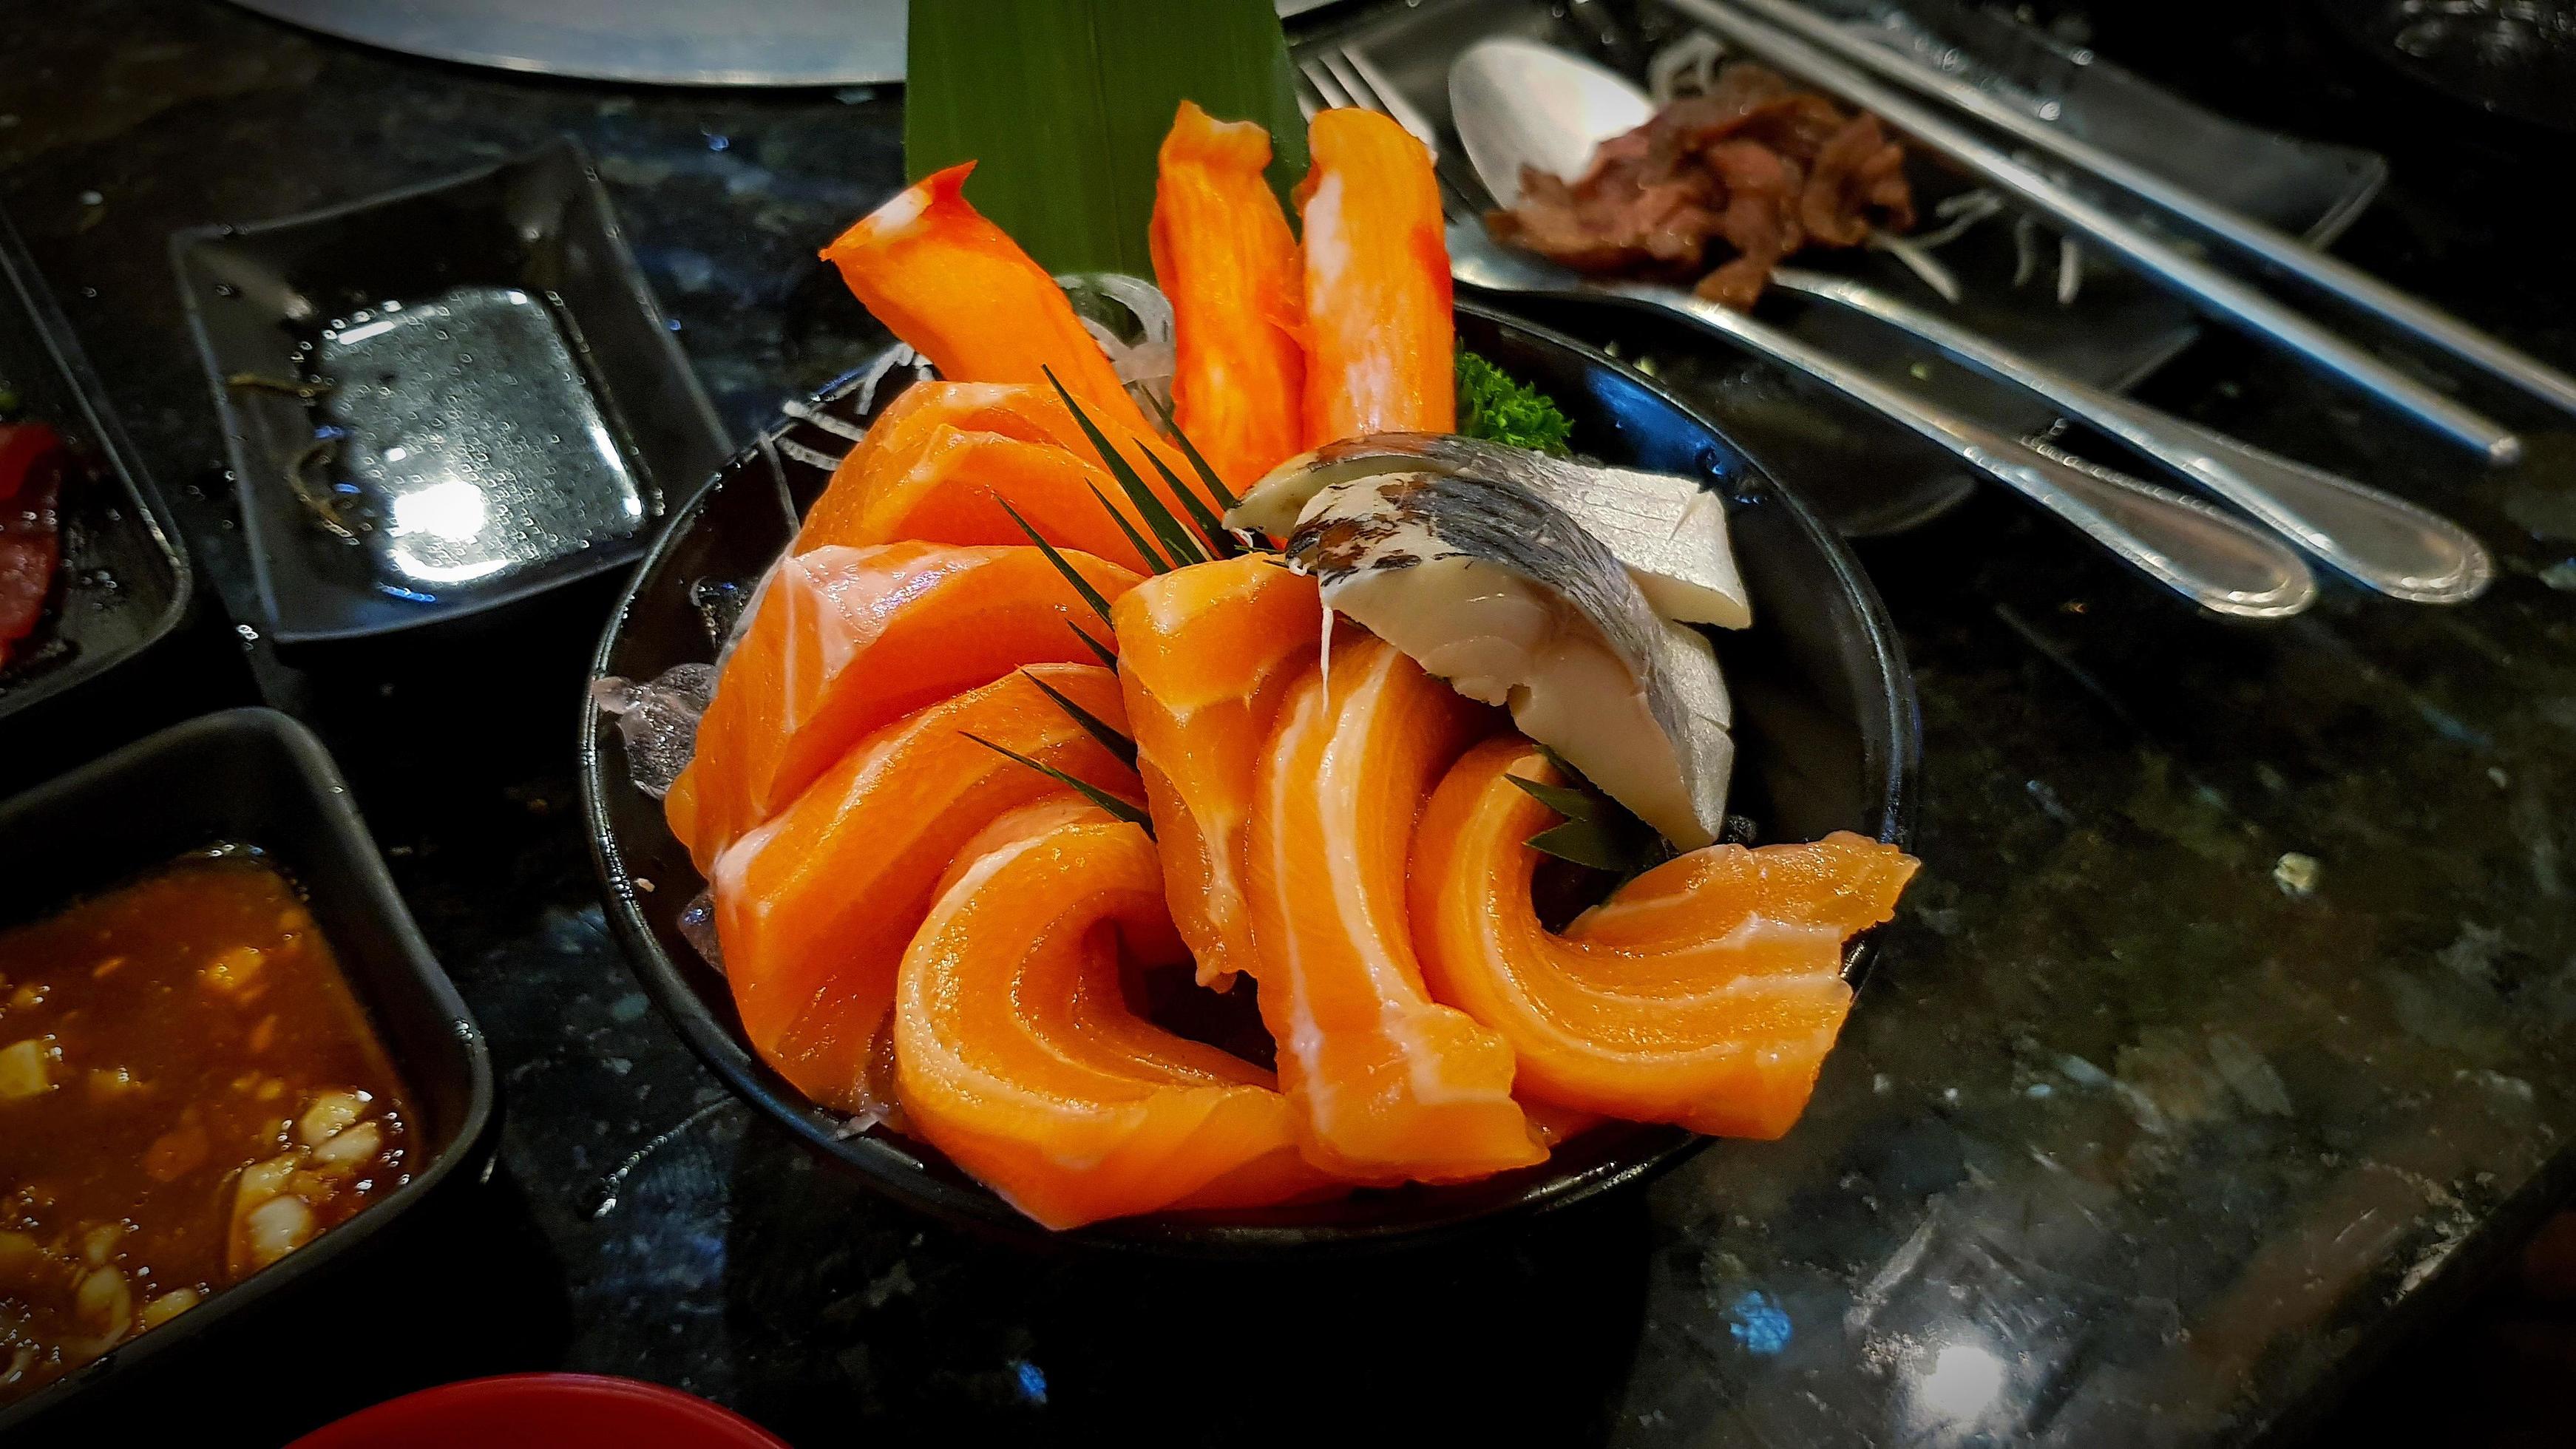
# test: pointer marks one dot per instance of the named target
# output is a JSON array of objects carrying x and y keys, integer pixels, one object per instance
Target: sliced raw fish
[
  {"x": 1205, "y": 655},
  {"x": 845, "y": 640},
  {"x": 814, "y": 908},
  {"x": 923, "y": 414},
  {"x": 1706, "y": 992},
  {"x": 1016, "y": 1052},
  {"x": 1389, "y": 1084},
  {"x": 965, "y": 486},
  {"x": 1498, "y": 591},
  {"x": 1668, "y": 530}
]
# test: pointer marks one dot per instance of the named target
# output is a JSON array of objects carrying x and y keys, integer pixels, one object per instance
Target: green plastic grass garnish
[{"x": 1598, "y": 832}]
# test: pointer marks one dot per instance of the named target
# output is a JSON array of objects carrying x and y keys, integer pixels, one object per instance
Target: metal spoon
[{"x": 1516, "y": 102}]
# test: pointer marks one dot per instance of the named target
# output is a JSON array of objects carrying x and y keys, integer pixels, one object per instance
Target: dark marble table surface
[{"x": 2228, "y": 1039}]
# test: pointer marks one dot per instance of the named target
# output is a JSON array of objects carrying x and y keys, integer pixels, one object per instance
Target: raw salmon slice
[
  {"x": 813, "y": 909},
  {"x": 1030, "y": 412},
  {"x": 1389, "y": 1083},
  {"x": 1381, "y": 344},
  {"x": 845, "y": 640},
  {"x": 954, "y": 492},
  {"x": 1016, "y": 1053},
  {"x": 1223, "y": 254},
  {"x": 1205, "y": 654},
  {"x": 1705, "y": 993}
]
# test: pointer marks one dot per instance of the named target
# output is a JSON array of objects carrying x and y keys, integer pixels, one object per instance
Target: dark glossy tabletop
[{"x": 2229, "y": 1037}]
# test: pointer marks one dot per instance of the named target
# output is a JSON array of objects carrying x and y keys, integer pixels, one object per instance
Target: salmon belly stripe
[
  {"x": 1017, "y": 1055},
  {"x": 1205, "y": 655},
  {"x": 903, "y": 429},
  {"x": 1706, "y": 993},
  {"x": 1389, "y": 1084},
  {"x": 845, "y": 640},
  {"x": 813, "y": 909}
]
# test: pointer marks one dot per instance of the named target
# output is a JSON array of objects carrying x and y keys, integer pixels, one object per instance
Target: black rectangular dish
[
  {"x": 255, "y": 778},
  {"x": 124, "y": 587},
  {"x": 442, "y": 400}
]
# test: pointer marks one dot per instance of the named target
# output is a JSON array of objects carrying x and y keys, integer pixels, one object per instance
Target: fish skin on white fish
[
  {"x": 1668, "y": 531},
  {"x": 1490, "y": 586}
]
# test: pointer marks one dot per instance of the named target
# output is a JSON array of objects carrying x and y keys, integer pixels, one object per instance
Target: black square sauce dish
[
  {"x": 444, "y": 399},
  {"x": 133, "y": 1015}
]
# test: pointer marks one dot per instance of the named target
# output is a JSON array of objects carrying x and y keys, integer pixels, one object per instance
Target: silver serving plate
[{"x": 661, "y": 42}]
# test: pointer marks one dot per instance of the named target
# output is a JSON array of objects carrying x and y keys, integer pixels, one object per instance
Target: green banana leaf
[{"x": 1064, "y": 102}]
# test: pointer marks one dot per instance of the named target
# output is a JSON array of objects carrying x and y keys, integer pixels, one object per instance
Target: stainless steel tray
[{"x": 1859, "y": 472}]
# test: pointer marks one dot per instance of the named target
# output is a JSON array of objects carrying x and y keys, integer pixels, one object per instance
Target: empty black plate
[
  {"x": 1825, "y": 723},
  {"x": 507, "y": 407},
  {"x": 124, "y": 586},
  {"x": 254, "y": 777}
]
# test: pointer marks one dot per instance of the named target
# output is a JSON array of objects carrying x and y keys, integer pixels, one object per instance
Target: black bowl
[
  {"x": 1825, "y": 723},
  {"x": 256, "y": 778}
]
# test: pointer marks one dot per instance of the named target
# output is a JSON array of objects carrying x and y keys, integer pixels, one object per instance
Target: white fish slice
[
  {"x": 1492, "y": 587},
  {"x": 1668, "y": 531}
]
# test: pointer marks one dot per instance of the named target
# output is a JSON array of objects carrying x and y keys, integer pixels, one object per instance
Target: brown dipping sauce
[{"x": 188, "y": 1092}]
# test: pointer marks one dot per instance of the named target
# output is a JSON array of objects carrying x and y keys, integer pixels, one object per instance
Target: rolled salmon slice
[
  {"x": 847, "y": 640},
  {"x": 1030, "y": 412},
  {"x": 1706, "y": 993},
  {"x": 1223, "y": 254},
  {"x": 1017, "y": 1056},
  {"x": 964, "y": 487},
  {"x": 814, "y": 909},
  {"x": 1381, "y": 346},
  {"x": 1205, "y": 655},
  {"x": 1389, "y": 1084}
]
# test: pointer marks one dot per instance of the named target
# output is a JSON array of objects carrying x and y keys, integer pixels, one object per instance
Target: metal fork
[
  {"x": 1342, "y": 76},
  {"x": 2205, "y": 555}
]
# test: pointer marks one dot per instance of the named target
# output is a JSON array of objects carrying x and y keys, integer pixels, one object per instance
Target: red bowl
[{"x": 556, "y": 1411}]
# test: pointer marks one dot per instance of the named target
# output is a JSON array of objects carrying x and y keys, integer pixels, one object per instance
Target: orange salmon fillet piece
[
  {"x": 845, "y": 640},
  {"x": 956, "y": 489},
  {"x": 1030, "y": 412},
  {"x": 814, "y": 909},
  {"x": 1706, "y": 992},
  {"x": 1205, "y": 655},
  {"x": 1017, "y": 1055},
  {"x": 1389, "y": 1083}
]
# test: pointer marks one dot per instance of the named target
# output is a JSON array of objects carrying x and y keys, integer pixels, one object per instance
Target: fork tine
[
  {"x": 1463, "y": 193},
  {"x": 1359, "y": 68},
  {"x": 1326, "y": 84},
  {"x": 1356, "y": 84}
]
